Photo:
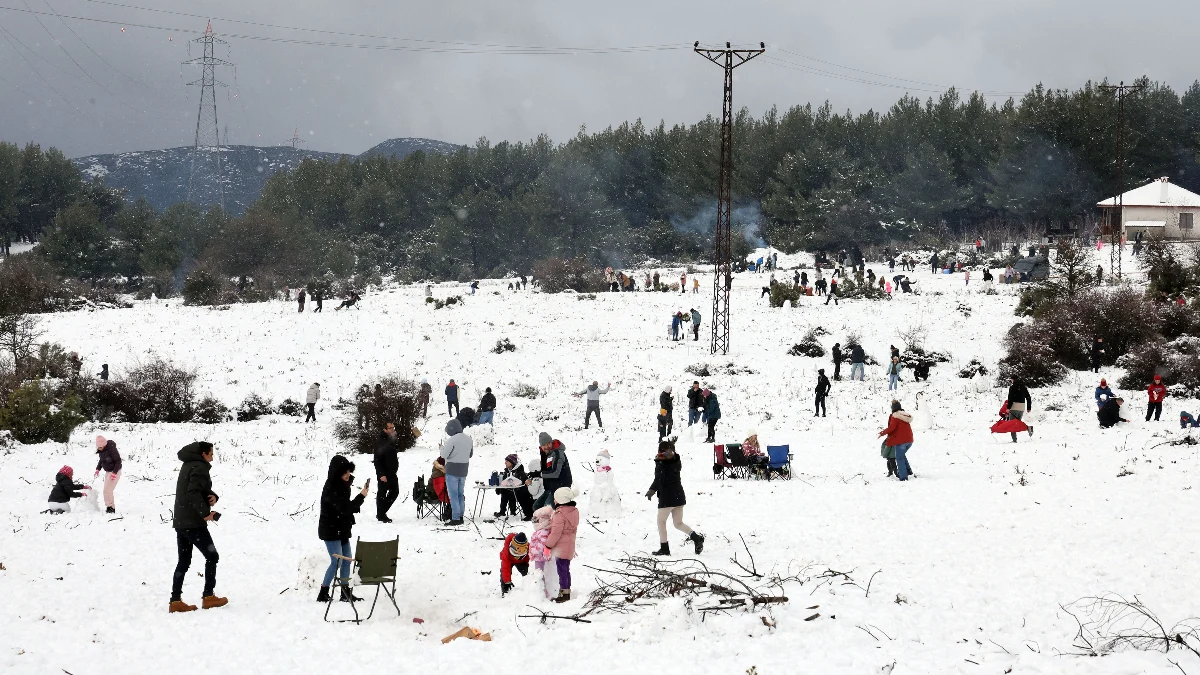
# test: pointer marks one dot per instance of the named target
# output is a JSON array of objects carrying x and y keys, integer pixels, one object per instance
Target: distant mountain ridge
[{"x": 161, "y": 176}]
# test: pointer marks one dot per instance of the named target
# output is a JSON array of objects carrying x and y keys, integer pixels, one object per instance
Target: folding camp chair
[
  {"x": 721, "y": 466},
  {"x": 375, "y": 562},
  {"x": 425, "y": 499},
  {"x": 779, "y": 461},
  {"x": 737, "y": 459}
]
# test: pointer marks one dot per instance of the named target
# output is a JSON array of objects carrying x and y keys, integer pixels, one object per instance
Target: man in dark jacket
[
  {"x": 837, "y": 361},
  {"x": 554, "y": 469},
  {"x": 712, "y": 413},
  {"x": 1098, "y": 352},
  {"x": 1110, "y": 413},
  {"x": 1019, "y": 402},
  {"x": 194, "y": 500},
  {"x": 336, "y": 522},
  {"x": 300, "y": 298},
  {"x": 665, "y": 417},
  {"x": 671, "y": 498},
  {"x": 423, "y": 397},
  {"x": 387, "y": 463},
  {"x": 452, "y": 399},
  {"x": 822, "y": 390},
  {"x": 858, "y": 360},
  {"x": 466, "y": 417},
  {"x": 487, "y": 406},
  {"x": 695, "y": 403}
]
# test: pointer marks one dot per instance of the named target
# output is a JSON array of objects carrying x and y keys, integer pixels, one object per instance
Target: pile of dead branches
[{"x": 1112, "y": 623}]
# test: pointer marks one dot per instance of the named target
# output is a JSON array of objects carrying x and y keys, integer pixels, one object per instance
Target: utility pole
[
  {"x": 1117, "y": 230},
  {"x": 206, "y": 183},
  {"x": 296, "y": 140},
  {"x": 728, "y": 59}
]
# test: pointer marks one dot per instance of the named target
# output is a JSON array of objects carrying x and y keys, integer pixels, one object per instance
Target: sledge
[{"x": 1009, "y": 426}]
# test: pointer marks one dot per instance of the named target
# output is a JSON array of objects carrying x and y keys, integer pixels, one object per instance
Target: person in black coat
[
  {"x": 65, "y": 489},
  {"x": 387, "y": 463},
  {"x": 1110, "y": 413},
  {"x": 300, "y": 298},
  {"x": 510, "y": 498},
  {"x": 671, "y": 500},
  {"x": 822, "y": 390},
  {"x": 1098, "y": 352},
  {"x": 695, "y": 397},
  {"x": 1019, "y": 402},
  {"x": 487, "y": 407},
  {"x": 336, "y": 521},
  {"x": 837, "y": 361},
  {"x": 665, "y": 418}
]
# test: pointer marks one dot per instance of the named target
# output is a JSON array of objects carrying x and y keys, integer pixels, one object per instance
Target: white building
[{"x": 1157, "y": 208}]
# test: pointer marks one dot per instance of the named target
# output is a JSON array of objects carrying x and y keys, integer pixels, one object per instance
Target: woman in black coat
[
  {"x": 336, "y": 521},
  {"x": 671, "y": 499}
]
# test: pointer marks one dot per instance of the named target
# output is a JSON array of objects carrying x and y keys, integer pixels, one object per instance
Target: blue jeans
[
  {"x": 485, "y": 417},
  {"x": 902, "y": 460},
  {"x": 455, "y": 485},
  {"x": 892, "y": 383},
  {"x": 341, "y": 548},
  {"x": 856, "y": 368},
  {"x": 693, "y": 416}
]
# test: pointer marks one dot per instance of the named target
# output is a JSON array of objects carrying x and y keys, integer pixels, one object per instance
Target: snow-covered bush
[
  {"x": 783, "y": 293},
  {"x": 395, "y": 401},
  {"x": 972, "y": 369},
  {"x": 504, "y": 345},
  {"x": 155, "y": 391},
  {"x": 1179, "y": 320},
  {"x": 808, "y": 346},
  {"x": 253, "y": 407},
  {"x": 522, "y": 390},
  {"x": 849, "y": 289},
  {"x": 1030, "y": 357},
  {"x": 202, "y": 288},
  {"x": 290, "y": 408},
  {"x": 558, "y": 274},
  {"x": 33, "y": 415},
  {"x": 1178, "y": 361},
  {"x": 698, "y": 369},
  {"x": 208, "y": 410}
]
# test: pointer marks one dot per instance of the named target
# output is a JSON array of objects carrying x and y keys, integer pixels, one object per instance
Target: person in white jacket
[{"x": 314, "y": 395}]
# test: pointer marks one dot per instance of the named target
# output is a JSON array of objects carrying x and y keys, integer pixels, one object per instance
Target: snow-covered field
[{"x": 974, "y": 565}]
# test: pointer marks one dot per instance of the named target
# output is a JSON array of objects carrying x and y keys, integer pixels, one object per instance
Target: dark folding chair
[
  {"x": 737, "y": 459},
  {"x": 779, "y": 461},
  {"x": 425, "y": 499},
  {"x": 375, "y": 562}
]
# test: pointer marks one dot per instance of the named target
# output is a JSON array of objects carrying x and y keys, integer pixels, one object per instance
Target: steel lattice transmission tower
[
  {"x": 206, "y": 183},
  {"x": 728, "y": 59},
  {"x": 1116, "y": 229}
]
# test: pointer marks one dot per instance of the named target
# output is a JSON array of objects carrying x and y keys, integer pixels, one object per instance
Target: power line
[
  {"x": 93, "y": 51},
  {"x": 62, "y": 48},
  {"x": 851, "y": 78},
  {"x": 38, "y": 73},
  {"x": 441, "y": 48}
]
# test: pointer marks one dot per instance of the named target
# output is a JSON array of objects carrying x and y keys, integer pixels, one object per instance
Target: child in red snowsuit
[{"x": 515, "y": 553}]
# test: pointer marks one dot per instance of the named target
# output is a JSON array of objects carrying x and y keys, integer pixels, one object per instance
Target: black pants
[
  {"x": 1095, "y": 365},
  {"x": 509, "y": 499},
  {"x": 891, "y": 464},
  {"x": 388, "y": 492},
  {"x": 837, "y": 370},
  {"x": 185, "y": 539},
  {"x": 664, "y": 426},
  {"x": 452, "y": 408},
  {"x": 593, "y": 407},
  {"x": 696, "y": 332},
  {"x": 423, "y": 405},
  {"x": 300, "y": 307},
  {"x": 712, "y": 432},
  {"x": 833, "y": 297},
  {"x": 820, "y": 406},
  {"x": 1155, "y": 408},
  {"x": 312, "y": 413}
]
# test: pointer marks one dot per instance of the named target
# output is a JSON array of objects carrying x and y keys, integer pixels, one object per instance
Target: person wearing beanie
[
  {"x": 65, "y": 489},
  {"x": 822, "y": 391},
  {"x": 712, "y": 413},
  {"x": 553, "y": 469},
  {"x": 1156, "y": 393},
  {"x": 1110, "y": 413},
  {"x": 514, "y": 553},
  {"x": 336, "y": 521},
  {"x": 109, "y": 460},
  {"x": 458, "y": 448},
  {"x": 452, "y": 398},
  {"x": 539, "y": 552},
  {"x": 899, "y": 438},
  {"x": 487, "y": 406},
  {"x": 666, "y": 404},
  {"x": 671, "y": 499},
  {"x": 561, "y": 541},
  {"x": 194, "y": 499},
  {"x": 1103, "y": 393},
  {"x": 1187, "y": 420},
  {"x": 514, "y": 474}
]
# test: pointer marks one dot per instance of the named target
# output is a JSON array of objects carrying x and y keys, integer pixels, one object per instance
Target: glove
[
  {"x": 649, "y": 494},
  {"x": 505, "y": 587}
]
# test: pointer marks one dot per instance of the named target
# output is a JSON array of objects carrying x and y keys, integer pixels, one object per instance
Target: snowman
[{"x": 605, "y": 500}]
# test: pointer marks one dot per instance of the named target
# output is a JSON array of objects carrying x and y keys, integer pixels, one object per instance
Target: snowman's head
[{"x": 603, "y": 461}]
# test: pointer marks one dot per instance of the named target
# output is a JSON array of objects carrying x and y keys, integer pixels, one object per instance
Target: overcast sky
[{"x": 119, "y": 86}]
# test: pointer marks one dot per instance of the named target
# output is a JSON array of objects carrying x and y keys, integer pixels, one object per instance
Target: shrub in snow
[
  {"x": 854, "y": 339},
  {"x": 1179, "y": 320},
  {"x": 586, "y": 296},
  {"x": 208, "y": 410},
  {"x": 438, "y": 304},
  {"x": 972, "y": 369},
  {"x": 202, "y": 288},
  {"x": 253, "y": 407},
  {"x": 28, "y": 284},
  {"x": 783, "y": 293},
  {"x": 160, "y": 285},
  {"x": 396, "y": 402},
  {"x": 556, "y": 275},
  {"x": 155, "y": 391},
  {"x": 504, "y": 345},
  {"x": 32, "y": 414},
  {"x": 848, "y": 289},
  {"x": 1178, "y": 361},
  {"x": 916, "y": 357},
  {"x": 1030, "y": 357},
  {"x": 290, "y": 408},
  {"x": 698, "y": 369},
  {"x": 522, "y": 390},
  {"x": 809, "y": 346}
]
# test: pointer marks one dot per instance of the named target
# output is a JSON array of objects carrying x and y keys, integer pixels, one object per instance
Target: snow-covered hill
[{"x": 975, "y": 556}]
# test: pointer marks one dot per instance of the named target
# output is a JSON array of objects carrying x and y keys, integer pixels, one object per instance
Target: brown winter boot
[
  {"x": 180, "y": 606},
  {"x": 211, "y": 601},
  {"x": 564, "y": 595}
]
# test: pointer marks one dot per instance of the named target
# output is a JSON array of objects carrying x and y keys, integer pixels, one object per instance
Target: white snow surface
[{"x": 980, "y": 563}]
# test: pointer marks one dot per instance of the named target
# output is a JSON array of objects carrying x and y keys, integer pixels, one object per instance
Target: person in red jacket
[
  {"x": 899, "y": 438},
  {"x": 1156, "y": 392},
  {"x": 515, "y": 553}
]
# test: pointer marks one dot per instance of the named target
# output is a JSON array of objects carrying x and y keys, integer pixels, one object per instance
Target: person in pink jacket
[
  {"x": 537, "y": 546},
  {"x": 561, "y": 541}
]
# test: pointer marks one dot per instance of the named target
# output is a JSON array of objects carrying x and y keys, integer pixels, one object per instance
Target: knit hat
[
  {"x": 512, "y": 459},
  {"x": 69, "y": 472},
  {"x": 101, "y": 442},
  {"x": 706, "y": 391},
  {"x": 1103, "y": 382},
  {"x": 565, "y": 494},
  {"x": 603, "y": 453},
  {"x": 1158, "y": 378},
  {"x": 545, "y": 439},
  {"x": 543, "y": 515},
  {"x": 519, "y": 546},
  {"x": 668, "y": 389}
]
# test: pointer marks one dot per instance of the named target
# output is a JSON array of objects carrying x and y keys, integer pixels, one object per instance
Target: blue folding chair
[{"x": 779, "y": 461}]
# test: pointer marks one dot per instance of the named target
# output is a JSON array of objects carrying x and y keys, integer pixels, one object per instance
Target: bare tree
[
  {"x": 1072, "y": 268},
  {"x": 18, "y": 335}
]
